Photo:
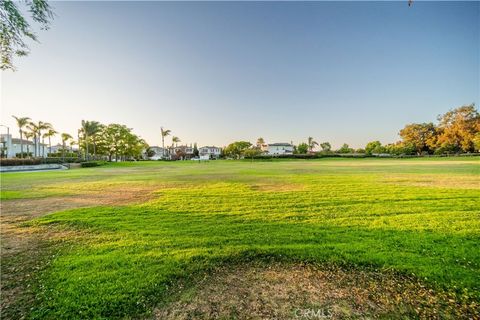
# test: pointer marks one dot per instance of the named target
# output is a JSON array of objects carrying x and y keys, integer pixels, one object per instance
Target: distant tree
[
  {"x": 260, "y": 142},
  {"x": 21, "y": 123},
  {"x": 360, "y": 150},
  {"x": 374, "y": 147},
  {"x": 252, "y": 152},
  {"x": 345, "y": 149},
  {"x": 28, "y": 135},
  {"x": 95, "y": 129},
  {"x": 164, "y": 133},
  {"x": 32, "y": 133},
  {"x": 398, "y": 148},
  {"x": 36, "y": 129},
  {"x": 49, "y": 134},
  {"x": 302, "y": 148},
  {"x": 457, "y": 128},
  {"x": 196, "y": 153},
  {"x": 89, "y": 131},
  {"x": 15, "y": 28},
  {"x": 237, "y": 148},
  {"x": 43, "y": 126},
  {"x": 476, "y": 142},
  {"x": 65, "y": 137},
  {"x": 72, "y": 142},
  {"x": 311, "y": 144},
  {"x": 423, "y": 136},
  {"x": 326, "y": 146},
  {"x": 175, "y": 140},
  {"x": 116, "y": 140}
]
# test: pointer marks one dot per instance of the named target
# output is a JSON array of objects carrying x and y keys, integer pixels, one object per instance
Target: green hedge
[
  {"x": 19, "y": 162},
  {"x": 90, "y": 164},
  {"x": 34, "y": 161},
  {"x": 309, "y": 156}
]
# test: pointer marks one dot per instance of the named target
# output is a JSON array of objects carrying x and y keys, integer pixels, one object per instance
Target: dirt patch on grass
[
  {"x": 26, "y": 250},
  {"x": 312, "y": 292}
]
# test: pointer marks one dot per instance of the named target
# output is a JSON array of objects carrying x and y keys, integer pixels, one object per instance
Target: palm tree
[
  {"x": 49, "y": 134},
  {"x": 311, "y": 143},
  {"x": 84, "y": 130},
  {"x": 95, "y": 127},
  {"x": 72, "y": 143},
  {"x": 37, "y": 128},
  {"x": 164, "y": 133},
  {"x": 21, "y": 122},
  {"x": 90, "y": 130},
  {"x": 65, "y": 138},
  {"x": 28, "y": 135},
  {"x": 33, "y": 133},
  {"x": 175, "y": 140},
  {"x": 43, "y": 126}
]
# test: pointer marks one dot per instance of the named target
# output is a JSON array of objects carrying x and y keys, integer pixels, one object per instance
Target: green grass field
[{"x": 415, "y": 216}]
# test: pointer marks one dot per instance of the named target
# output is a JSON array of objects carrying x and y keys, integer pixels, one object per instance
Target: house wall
[
  {"x": 280, "y": 150},
  {"x": 212, "y": 152},
  {"x": 14, "y": 148}
]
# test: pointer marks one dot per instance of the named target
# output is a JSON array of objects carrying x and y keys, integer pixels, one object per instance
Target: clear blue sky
[{"x": 214, "y": 72}]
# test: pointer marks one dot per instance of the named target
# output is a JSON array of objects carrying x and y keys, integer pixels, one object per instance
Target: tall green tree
[
  {"x": 65, "y": 137},
  {"x": 22, "y": 122},
  {"x": 175, "y": 140},
  {"x": 28, "y": 135},
  {"x": 374, "y": 147},
  {"x": 15, "y": 28},
  {"x": 33, "y": 133},
  {"x": 302, "y": 148},
  {"x": 237, "y": 148},
  {"x": 95, "y": 129},
  {"x": 37, "y": 129},
  {"x": 119, "y": 142},
  {"x": 89, "y": 131},
  {"x": 326, "y": 146},
  {"x": 49, "y": 134},
  {"x": 196, "y": 153},
  {"x": 252, "y": 152},
  {"x": 345, "y": 149},
  {"x": 311, "y": 144},
  {"x": 43, "y": 126},
  {"x": 164, "y": 133}
]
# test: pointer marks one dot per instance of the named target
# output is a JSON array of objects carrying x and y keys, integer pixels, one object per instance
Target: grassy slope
[{"x": 417, "y": 216}]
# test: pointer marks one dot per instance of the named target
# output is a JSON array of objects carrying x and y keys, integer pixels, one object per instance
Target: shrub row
[
  {"x": 90, "y": 164},
  {"x": 20, "y": 162},
  {"x": 34, "y": 161},
  {"x": 351, "y": 155},
  {"x": 310, "y": 156}
]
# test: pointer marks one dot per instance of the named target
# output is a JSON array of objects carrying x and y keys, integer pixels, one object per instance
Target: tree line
[
  {"x": 457, "y": 131},
  {"x": 94, "y": 140}
]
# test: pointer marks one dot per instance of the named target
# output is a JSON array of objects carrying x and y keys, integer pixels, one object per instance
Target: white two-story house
[
  {"x": 278, "y": 148},
  {"x": 211, "y": 152}
]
